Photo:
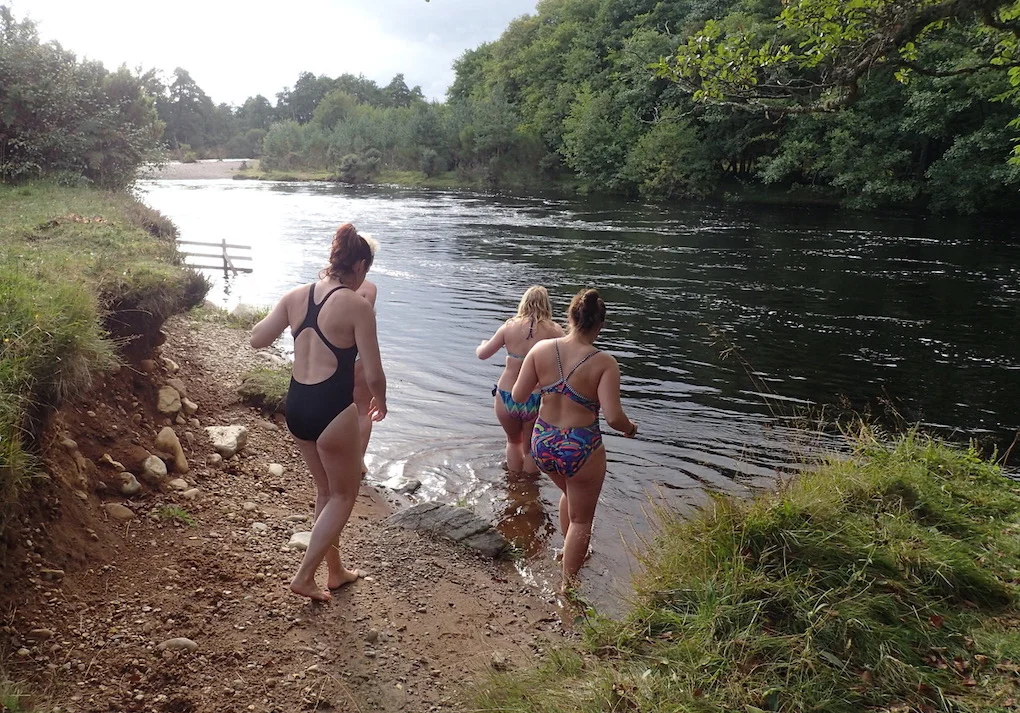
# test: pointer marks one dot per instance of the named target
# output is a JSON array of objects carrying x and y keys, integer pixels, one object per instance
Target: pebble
[
  {"x": 179, "y": 484},
  {"x": 154, "y": 467},
  {"x": 299, "y": 541},
  {"x": 214, "y": 460},
  {"x": 249, "y": 506},
  {"x": 191, "y": 494},
  {"x": 296, "y": 518},
  {"x": 275, "y": 470},
  {"x": 373, "y": 636},
  {"x": 52, "y": 575},
  {"x": 129, "y": 484},
  {"x": 23, "y": 652},
  {"x": 259, "y": 526},
  {"x": 178, "y": 644}
]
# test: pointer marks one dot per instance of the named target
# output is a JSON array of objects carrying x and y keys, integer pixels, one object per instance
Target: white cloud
[{"x": 236, "y": 49}]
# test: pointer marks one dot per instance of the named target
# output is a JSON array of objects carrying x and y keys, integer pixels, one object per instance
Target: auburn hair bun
[{"x": 347, "y": 251}]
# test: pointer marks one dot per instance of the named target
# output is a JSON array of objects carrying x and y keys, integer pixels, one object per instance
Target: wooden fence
[{"x": 227, "y": 264}]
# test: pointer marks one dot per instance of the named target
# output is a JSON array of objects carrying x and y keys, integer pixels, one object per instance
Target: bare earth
[
  {"x": 428, "y": 619},
  {"x": 176, "y": 171}
]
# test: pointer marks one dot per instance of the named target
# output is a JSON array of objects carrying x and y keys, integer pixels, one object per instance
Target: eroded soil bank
[{"x": 88, "y": 599}]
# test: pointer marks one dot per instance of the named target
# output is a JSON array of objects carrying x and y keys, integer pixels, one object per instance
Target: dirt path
[{"x": 427, "y": 619}]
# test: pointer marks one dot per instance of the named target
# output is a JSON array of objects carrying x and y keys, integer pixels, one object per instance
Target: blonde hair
[
  {"x": 373, "y": 244},
  {"x": 535, "y": 305}
]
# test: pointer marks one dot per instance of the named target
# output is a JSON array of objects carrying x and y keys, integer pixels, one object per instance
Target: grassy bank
[
  {"x": 84, "y": 275},
  {"x": 886, "y": 582}
]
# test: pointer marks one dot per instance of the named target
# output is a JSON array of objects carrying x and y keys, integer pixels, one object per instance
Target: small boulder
[
  {"x": 119, "y": 512},
  {"x": 178, "y": 386},
  {"x": 178, "y": 644},
  {"x": 168, "y": 442},
  {"x": 169, "y": 400},
  {"x": 129, "y": 484},
  {"x": 227, "y": 440},
  {"x": 299, "y": 541},
  {"x": 106, "y": 459},
  {"x": 153, "y": 467},
  {"x": 455, "y": 523}
]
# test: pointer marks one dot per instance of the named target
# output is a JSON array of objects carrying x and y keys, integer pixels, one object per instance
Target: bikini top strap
[
  {"x": 531, "y": 328},
  {"x": 559, "y": 361},
  {"x": 578, "y": 364}
]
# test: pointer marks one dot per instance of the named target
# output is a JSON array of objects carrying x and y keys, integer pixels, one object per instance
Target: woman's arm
[
  {"x": 609, "y": 398},
  {"x": 369, "y": 291},
  {"x": 492, "y": 345},
  {"x": 367, "y": 339},
  {"x": 527, "y": 379},
  {"x": 266, "y": 332}
]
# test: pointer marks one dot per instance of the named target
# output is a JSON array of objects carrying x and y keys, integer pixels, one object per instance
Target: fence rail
[{"x": 224, "y": 254}]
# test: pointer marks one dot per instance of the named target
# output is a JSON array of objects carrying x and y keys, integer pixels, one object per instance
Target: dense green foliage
[
  {"x": 884, "y": 581},
  {"x": 611, "y": 93},
  {"x": 66, "y": 119}
]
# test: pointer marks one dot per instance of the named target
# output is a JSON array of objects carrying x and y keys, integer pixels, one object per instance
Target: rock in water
[
  {"x": 169, "y": 400},
  {"x": 178, "y": 644},
  {"x": 119, "y": 512},
  {"x": 168, "y": 441},
  {"x": 227, "y": 440},
  {"x": 455, "y": 523}
]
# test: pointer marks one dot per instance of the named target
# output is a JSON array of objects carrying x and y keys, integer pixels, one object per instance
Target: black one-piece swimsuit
[{"x": 312, "y": 407}]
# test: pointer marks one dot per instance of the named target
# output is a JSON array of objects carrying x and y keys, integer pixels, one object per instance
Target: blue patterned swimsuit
[
  {"x": 527, "y": 411},
  {"x": 564, "y": 451}
]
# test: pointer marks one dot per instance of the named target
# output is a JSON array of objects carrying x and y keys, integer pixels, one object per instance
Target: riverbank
[
  {"x": 130, "y": 532},
  {"x": 885, "y": 581}
]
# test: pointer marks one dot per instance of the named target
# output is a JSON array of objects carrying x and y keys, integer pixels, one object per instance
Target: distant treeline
[{"x": 571, "y": 92}]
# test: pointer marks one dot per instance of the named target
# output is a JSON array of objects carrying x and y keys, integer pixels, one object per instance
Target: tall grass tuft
[{"x": 882, "y": 581}]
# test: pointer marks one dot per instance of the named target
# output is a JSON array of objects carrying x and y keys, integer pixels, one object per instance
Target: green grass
[
  {"x": 175, "y": 513},
  {"x": 82, "y": 273},
  {"x": 883, "y": 581},
  {"x": 209, "y": 312},
  {"x": 265, "y": 388},
  {"x": 10, "y": 697}
]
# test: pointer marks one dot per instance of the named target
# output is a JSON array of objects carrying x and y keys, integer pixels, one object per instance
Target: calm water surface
[{"x": 825, "y": 312}]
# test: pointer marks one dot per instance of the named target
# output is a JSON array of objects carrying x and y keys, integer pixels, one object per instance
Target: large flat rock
[{"x": 455, "y": 523}]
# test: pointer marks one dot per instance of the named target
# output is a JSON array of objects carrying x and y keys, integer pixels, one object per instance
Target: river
[{"x": 731, "y": 325}]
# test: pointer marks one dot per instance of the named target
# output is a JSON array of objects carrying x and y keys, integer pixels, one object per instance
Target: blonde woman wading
[{"x": 532, "y": 323}]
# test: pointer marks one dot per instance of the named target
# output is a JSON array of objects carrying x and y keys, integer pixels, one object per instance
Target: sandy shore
[{"x": 199, "y": 170}]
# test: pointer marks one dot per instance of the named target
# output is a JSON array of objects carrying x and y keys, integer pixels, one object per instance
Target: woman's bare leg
[
  {"x": 514, "y": 434},
  {"x": 322, "y": 491},
  {"x": 363, "y": 400},
  {"x": 527, "y": 430},
  {"x": 582, "y": 495},
  {"x": 339, "y": 453}
]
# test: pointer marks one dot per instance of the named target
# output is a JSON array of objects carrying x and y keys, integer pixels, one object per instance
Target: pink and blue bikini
[
  {"x": 564, "y": 451},
  {"x": 527, "y": 411}
]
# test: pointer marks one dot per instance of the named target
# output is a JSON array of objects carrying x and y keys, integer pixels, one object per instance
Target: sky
[{"x": 236, "y": 49}]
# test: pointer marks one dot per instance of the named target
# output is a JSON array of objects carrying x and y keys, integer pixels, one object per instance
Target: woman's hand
[
  {"x": 377, "y": 409},
  {"x": 632, "y": 432}
]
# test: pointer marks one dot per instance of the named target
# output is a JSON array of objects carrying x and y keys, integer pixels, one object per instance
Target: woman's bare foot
[
  {"x": 311, "y": 591},
  {"x": 348, "y": 576},
  {"x": 364, "y": 468}
]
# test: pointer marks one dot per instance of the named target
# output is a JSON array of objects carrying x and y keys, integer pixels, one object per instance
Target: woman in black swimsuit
[{"x": 331, "y": 325}]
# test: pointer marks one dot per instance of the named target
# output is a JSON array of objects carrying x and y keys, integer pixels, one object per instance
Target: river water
[{"x": 730, "y": 324}]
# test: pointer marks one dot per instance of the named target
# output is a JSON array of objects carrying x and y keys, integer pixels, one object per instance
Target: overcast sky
[{"x": 235, "y": 49}]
